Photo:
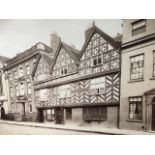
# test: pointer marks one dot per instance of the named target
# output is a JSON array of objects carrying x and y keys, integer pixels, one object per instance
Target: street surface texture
[{"x": 10, "y": 129}]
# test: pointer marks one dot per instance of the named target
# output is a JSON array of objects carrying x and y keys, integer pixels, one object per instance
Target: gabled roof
[
  {"x": 94, "y": 29},
  {"x": 70, "y": 50},
  {"x": 27, "y": 54},
  {"x": 47, "y": 57}
]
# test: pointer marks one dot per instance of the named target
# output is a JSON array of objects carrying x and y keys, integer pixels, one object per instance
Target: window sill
[
  {"x": 138, "y": 80},
  {"x": 134, "y": 120},
  {"x": 153, "y": 78},
  {"x": 96, "y": 66}
]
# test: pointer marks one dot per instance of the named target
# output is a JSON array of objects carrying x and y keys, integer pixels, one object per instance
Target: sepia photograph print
[{"x": 77, "y": 76}]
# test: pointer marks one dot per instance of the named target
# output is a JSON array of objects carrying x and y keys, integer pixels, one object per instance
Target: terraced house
[
  {"x": 18, "y": 74},
  {"x": 137, "y": 104},
  {"x": 80, "y": 87}
]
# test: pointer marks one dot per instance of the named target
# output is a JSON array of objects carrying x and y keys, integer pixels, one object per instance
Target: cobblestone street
[{"x": 10, "y": 129}]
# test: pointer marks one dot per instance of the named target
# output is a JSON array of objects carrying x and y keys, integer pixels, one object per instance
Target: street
[{"x": 11, "y": 129}]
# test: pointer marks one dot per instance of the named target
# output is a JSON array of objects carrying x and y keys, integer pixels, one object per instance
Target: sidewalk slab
[{"x": 71, "y": 127}]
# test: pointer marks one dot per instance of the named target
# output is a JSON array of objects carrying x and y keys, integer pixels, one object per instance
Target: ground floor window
[
  {"x": 135, "y": 108},
  {"x": 95, "y": 113},
  {"x": 68, "y": 113}
]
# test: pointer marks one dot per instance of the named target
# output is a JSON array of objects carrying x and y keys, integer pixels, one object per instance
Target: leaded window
[
  {"x": 95, "y": 113},
  {"x": 137, "y": 67},
  {"x": 138, "y": 27},
  {"x": 43, "y": 94},
  {"x": 64, "y": 71},
  {"x": 65, "y": 91},
  {"x": 97, "y": 60},
  {"x": 97, "y": 85},
  {"x": 135, "y": 108}
]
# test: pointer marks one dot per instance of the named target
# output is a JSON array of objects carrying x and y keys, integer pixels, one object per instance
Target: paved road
[{"x": 9, "y": 129}]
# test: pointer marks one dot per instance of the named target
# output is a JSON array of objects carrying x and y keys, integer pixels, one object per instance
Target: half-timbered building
[{"x": 80, "y": 86}]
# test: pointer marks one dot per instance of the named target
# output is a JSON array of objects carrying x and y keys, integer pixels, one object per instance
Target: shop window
[
  {"x": 138, "y": 27},
  {"x": 137, "y": 67},
  {"x": 95, "y": 113},
  {"x": 135, "y": 108},
  {"x": 68, "y": 113}
]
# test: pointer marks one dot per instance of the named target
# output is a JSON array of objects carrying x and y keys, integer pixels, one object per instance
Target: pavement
[{"x": 74, "y": 127}]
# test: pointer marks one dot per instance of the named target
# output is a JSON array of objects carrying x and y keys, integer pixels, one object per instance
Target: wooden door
[
  {"x": 153, "y": 117},
  {"x": 59, "y": 116},
  {"x": 40, "y": 115},
  {"x": 2, "y": 113}
]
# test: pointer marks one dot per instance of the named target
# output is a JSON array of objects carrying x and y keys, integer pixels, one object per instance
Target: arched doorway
[
  {"x": 2, "y": 113},
  {"x": 153, "y": 114}
]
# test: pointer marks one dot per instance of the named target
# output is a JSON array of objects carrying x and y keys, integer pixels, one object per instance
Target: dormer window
[
  {"x": 138, "y": 27},
  {"x": 64, "y": 71},
  {"x": 97, "y": 61}
]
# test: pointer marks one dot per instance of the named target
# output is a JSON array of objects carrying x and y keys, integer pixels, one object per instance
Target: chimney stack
[{"x": 55, "y": 40}]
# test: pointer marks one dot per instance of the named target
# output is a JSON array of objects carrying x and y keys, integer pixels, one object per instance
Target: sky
[{"x": 18, "y": 35}]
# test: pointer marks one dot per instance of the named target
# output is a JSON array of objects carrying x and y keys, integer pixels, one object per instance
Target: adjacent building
[
  {"x": 137, "y": 97},
  {"x": 3, "y": 89},
  {"x": 18, "y": 74},
  {"x": 80, "y": 87}
]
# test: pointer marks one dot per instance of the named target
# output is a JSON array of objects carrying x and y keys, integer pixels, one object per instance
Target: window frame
[
  {"x": 136, "y": 103},
  {"x": 98, "y": 92},
  {"x": 97, "y": 57},
  {"x": 135, "y": 30},
  {"x": 153, "y": 74},
  {"x": 142, "y": 54}
]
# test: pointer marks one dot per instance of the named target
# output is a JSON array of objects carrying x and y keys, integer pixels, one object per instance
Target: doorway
[
  {"x": 2, "y": 113},
  {"x": 59, "y": 116},
  {"x": 153, "y": 114},
  {"x": 40, "y": 115}
]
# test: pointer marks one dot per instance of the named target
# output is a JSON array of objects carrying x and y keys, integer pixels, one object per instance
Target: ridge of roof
[{"x": 32, "y": 50}]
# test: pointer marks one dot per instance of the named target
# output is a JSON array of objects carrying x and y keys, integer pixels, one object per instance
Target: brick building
[
  {"x": 18, "y": 74},
  {"x": 137, "y": 100}
]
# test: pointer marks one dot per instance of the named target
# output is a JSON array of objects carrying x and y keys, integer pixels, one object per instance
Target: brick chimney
[{"x": 55, "y": 39}]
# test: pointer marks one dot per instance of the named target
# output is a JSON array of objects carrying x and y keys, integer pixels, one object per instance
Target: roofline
[{"x": 114, "y": 43}]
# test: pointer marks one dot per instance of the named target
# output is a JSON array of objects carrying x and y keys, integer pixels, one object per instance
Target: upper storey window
[
  {"x": 137, "y": 67},
  {"x": 154, "y": 63},
  {"x": 97, "y": 60},
  {"x": 138, "y": 27},
  {"x": 21, "y": 73}
]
